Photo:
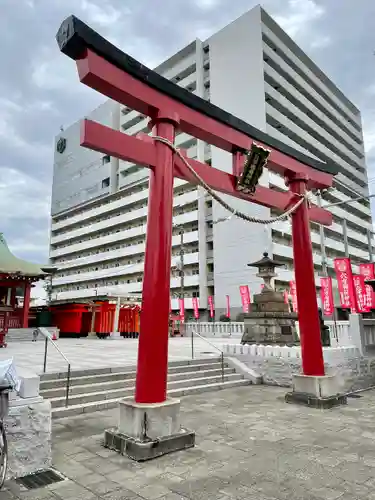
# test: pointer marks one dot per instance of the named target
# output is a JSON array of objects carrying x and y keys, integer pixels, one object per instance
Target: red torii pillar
[{"x": 106, "y": 69}]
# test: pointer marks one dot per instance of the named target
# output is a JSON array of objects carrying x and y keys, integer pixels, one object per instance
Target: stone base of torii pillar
[
  {"x": 316, "y": 391},
  {"x": 146, "y": 431}
]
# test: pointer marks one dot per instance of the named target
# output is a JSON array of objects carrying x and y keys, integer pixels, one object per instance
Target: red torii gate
[{"x": 113, "y": 73}]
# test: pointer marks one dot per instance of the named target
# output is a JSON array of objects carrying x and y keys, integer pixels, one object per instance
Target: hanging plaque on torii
[{"x": 107, "y": 69}]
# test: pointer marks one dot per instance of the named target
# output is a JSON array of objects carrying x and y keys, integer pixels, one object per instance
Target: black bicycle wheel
[{"x": 3, "y": 455}]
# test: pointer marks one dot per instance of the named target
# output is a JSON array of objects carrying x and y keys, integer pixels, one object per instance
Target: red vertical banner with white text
[
  {"x": 195, "y": 307},
  {"x": 245, "y": 298},
  {"x": 326, "y": 294},
  {"x": 211, "y": 306},
  {"x": 293, "y": 293},
  {"x": 344, "y": 275},
  {"x": 368, "y": 272},
  {"x": 182, "y": 309},
  {"x": 227, "y": 313},
  {"x": 360, "y": 292}
]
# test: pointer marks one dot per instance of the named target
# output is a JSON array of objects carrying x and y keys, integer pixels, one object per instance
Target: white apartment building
[{"x": 252, "y": 69}]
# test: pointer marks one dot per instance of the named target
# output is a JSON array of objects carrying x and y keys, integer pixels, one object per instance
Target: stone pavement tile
[
  {"x": 357, "y": 490},
  {"x": 354, "y": 472},
  {"x": 167, "y": 479},
  {"x": 7, "y": 495},
  {"x": 101, "y": 465},
  {"x": 89, "y": 479},
  {"x": 103, "y": 487},
  {"x": 106, "y": 453},
  {"x": 239, "y": 491},
  {"x": 37, "y": 494},
  {"x": 122, "y": 477},
  {"x": 179, "y": 469},
  {"x": 369, "y": 460},
  {"x": 151, "y": 492},
  {"x": 268, "y": 487},
  {"x": 66, "y": 448},
  {"x": 82, "y": 456},
  {"x": 175, "y": 496},
  {"x": 328, "y": 493},
  {"x": 122, "y": 494},
  {"x": 196, "y": 489},
  {"x": 69, "y": 490},
  {"x": 71, "y": 469}
]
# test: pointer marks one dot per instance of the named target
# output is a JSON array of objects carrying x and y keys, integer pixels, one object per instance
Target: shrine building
[{"x": 16, "y": 280}]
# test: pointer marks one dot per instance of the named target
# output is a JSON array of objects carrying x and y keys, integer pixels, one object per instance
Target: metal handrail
[
  {"x": 49, "y": 339},
  {"x": 212, "y": 345}
]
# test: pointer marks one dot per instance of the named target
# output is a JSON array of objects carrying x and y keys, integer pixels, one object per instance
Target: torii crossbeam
[{"x": 113, "y": 73}]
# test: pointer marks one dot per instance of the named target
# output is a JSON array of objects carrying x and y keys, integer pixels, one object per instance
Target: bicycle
[{"x": 4, "y": 408}]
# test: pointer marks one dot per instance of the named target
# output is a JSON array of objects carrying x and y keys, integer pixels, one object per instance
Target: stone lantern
[
  {"x": 266, "y": 270},
  {"x": 270, "y": 321}
]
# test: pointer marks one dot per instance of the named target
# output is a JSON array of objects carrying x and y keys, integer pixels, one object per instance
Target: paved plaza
[
  {"x": 250, "y": 445},
  {"x": 94, "y": 353}
]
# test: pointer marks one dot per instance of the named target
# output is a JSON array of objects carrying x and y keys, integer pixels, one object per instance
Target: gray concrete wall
[
  {"x": 29, "y": 432},
  {"x": 355, "y": 373}
]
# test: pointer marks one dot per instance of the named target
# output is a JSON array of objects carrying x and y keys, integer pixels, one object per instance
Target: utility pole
[
  {"x": 182, "y": 270},
  {"x": 322, "y": 241},
  {"x": 369, "y": 240},
  {"x": 49, "y": 290}
]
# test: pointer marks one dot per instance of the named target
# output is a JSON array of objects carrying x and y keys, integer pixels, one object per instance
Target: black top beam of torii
[{"x": 74, "y": 37}]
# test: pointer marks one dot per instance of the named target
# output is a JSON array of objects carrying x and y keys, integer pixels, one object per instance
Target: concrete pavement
[{"x": 250, "y": 444}]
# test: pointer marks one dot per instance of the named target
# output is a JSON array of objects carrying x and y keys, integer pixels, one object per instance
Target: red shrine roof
[{"x": 12, "y": 265}]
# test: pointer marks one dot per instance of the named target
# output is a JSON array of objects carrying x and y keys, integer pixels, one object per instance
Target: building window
[
  {"x": 106, "y": 159},
  {"x": 105, "y": 182}
]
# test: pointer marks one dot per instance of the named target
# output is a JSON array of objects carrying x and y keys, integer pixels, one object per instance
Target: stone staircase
[
  {"x": 100, "y": 389},
  {"x": 26, "y": 334}
]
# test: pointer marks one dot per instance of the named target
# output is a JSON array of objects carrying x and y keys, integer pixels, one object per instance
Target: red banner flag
[
  {"x": 195, "y": 307},
  {"x": 344, "y": 276},
  {"x": 211, "y": 305},
  {"x": 227, "y": 314},
  {"x": 368, "y": 272},
  {"x": 293, "y": 293},
  {"x": 326, "y": 294},
  {"x": 360, "y": 292},
  {"x": 245, "y": 298},
  {"x": 182, "y": 309},
  {"x": 286, "y": 299}
]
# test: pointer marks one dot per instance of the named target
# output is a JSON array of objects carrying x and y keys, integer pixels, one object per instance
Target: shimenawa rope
[{"x": 216, "y": 197}]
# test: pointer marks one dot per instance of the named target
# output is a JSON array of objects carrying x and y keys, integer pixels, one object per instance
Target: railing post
[
  {"x": 192, "y": 344},
  {"x": 45, "y": 355},
  {"x": 67, "y": 387},
  {"x": 222, "y": 366}
]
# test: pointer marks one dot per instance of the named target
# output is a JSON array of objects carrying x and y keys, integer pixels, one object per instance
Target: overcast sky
[{"x": 39, "y": 90}]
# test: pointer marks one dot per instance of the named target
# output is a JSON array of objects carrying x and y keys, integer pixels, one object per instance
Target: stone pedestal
[
  {"x": 270, "y": 322},
  {"x": 29, "y": 428},
  {"x": 270, "y": 328},
  {"x": 147, "y": 431},
  {"x": 115, "y": 336},
  {"x": 319, "y": 392}
]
